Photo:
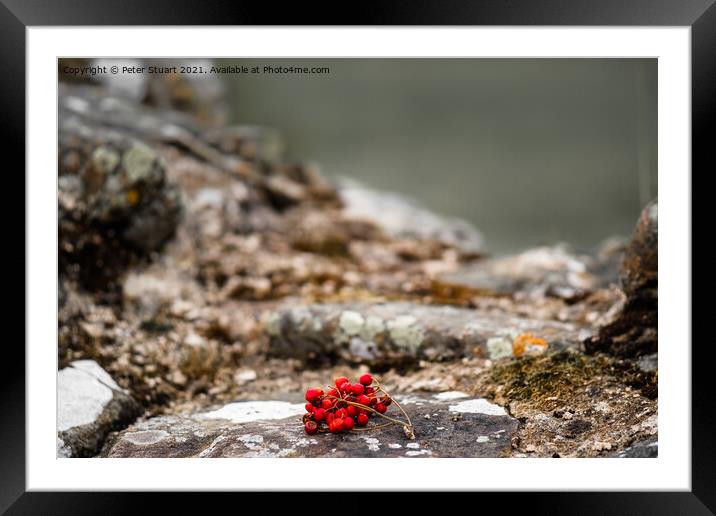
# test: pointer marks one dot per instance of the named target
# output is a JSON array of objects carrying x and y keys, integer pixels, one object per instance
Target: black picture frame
[{"x": 17, "y": 15}]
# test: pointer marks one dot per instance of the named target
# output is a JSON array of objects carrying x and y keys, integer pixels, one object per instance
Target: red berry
[
  {"x": 341, "y": 413},
  {"x": 339, "y": 424},
  {"x": 348, "y": 423},
  {"x": 340, "y": 381},
  {"x": 366, "y": 379},
  {"x": 319, "y": 414},
  {"x": 363, "y": 399},
  {"x": 309, "y": 407},
  {"x": 373, "y": 401},
  {"x": 357, "y": 389},
  {"x": 362, "y": 419},
  {"x": 326, "y": 404},
  {"x": 351, "y": 410},
  {"x": 334, "y": 393},
  {"x": 330, "y": 417},
  {"x": 386, "y": 400},
  {"x": 311, "y": 427},
  {"x": 313, "y": 394},
  {"x": 346, "y": 387},
  {"x": 381, "y": 408},
  {"x": 369, "y": 390}
]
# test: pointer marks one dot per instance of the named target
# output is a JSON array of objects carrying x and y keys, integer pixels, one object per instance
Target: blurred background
[{"x": 530, "y": 151}]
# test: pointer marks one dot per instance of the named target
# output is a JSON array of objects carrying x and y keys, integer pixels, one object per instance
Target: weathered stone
[
  {"x": 114, "y": 202},
  {"x": 640, "y": 269},
  {"x": 89, "y": 405},
  {"x": 647, "y": 449},
  {"x": 554, "y": 271},
  {"x": 449, "y": 424},
  {"x": 633, "y": 332},
  {"x": 400, "y": 216},
  {"x": 400, "y": 332}
]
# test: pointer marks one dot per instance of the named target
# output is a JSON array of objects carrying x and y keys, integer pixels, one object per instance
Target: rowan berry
[
  {"x": 309, "y": 407},
  {"x": 351, "y": 410},
  {"x": 340, "y": 381},
  {"x": 346, "y": 387},
  {"x": 363, "y": 399},
  {"x": 366, "y": 379},
  {"x": 334, "y": 392},
  {"x": 326, "y": 404},
  {"x": 358, "y": 389},
  {"x": 362, "y": 419},
  {"x": 381, "y": 408},
  {"x": 311, "y": 427},
  {"x": 348, "y": 423},
  {"x": 313, "y": 394},
  {"x": 339, "y": 424},
  {"x": 319, "y": 414}
]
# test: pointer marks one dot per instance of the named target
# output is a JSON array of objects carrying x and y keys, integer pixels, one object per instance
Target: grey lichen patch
[
  {"x": 499, "y": 347},
  {"x": 273, "y": 324},
  {"x": 373, "y": 327},
  {"x": 350, "y": 324},
  {"x": 405, "y": 332},
  {"x": 138, "y": 162},
  {"x": 105, "y": 159},
  {"x": 146, "y": 437}
]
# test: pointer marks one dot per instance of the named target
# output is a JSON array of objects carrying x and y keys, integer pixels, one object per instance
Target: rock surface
[
  {"x": 554, "y": 271},
  {"x": 634, "y": 332},
  {"x": 89, "y": 405},
  {"x": 400, "y": 332},
  {"x": 399, "y": 217},
  {"x": 647, "y": 449},
  {"x": 450, "y": 424}
]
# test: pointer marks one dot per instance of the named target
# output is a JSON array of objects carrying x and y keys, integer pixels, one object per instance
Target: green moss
[{"x": 547, "y": 378}]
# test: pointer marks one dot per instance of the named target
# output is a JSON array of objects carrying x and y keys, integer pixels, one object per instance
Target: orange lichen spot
[
  {"x": 132, "y": 197},
  {"x": 528, "y": 343}
]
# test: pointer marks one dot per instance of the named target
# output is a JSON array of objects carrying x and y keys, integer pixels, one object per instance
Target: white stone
[{"x": 81, "y": 397}]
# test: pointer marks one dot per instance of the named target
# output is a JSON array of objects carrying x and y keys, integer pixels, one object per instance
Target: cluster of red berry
[{"x": 344, "y": 406}]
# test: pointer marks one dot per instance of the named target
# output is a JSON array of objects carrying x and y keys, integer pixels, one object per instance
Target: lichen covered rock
[
  {"x": 113, "y": 197},
  {"x": 402, "y": 332},
  {"x": 449, "y": 424}
]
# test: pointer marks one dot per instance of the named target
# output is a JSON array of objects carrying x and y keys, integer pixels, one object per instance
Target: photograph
[{"x": 357, "y": 257}]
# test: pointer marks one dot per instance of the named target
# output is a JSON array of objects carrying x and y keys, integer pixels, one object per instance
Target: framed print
[{"x": 422, "y": 248}]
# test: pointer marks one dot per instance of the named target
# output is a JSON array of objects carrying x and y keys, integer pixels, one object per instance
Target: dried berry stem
[
  {"x": 366, "y": 407},
  {"x": 410, "y": 423}
]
